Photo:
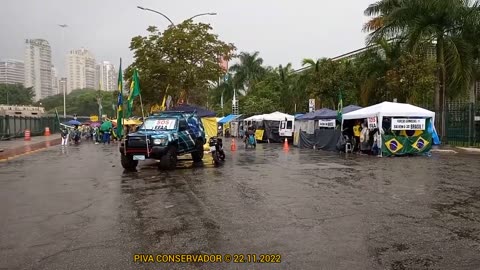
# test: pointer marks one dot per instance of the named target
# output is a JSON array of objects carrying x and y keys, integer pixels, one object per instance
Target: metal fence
[
  {"x": 15, "y": 126},
  {"x": 463, "y": 124}
]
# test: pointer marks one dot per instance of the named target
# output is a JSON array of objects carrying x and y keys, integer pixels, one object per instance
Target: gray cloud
[{"x": 282, "y": 30}]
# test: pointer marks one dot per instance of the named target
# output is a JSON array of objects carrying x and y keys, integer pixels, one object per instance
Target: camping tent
[
  {"x": 323, "y": 113},
  {"x": 270, "y": 124},
  {"x": 397, "y": 145},
  {"x": 228, "y": 122},
  {"x": 308, "y": 134},
  {"x": 275, "y": 116},
  {"x": 389, "y": 109},
  {"x": 228, "y": 119}
]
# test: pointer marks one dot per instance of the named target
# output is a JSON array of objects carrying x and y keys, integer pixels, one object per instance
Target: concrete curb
[
  {"x": 470, "y": 150},
  {"x": 444, "y": 151}
]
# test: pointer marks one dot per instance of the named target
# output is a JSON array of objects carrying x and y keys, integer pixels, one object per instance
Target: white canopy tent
[
  {"x": 389, "y": 109},
  {"x": 275, "y": 116}
]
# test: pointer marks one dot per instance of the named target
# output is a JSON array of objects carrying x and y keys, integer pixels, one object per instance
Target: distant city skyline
[
  {"x": 12, "y": 71},
  {"x": 107, "y": 76},
  {"x": 294, "y": 29},
  {"x": 80, "y": 65},
  {"x": 83, "y": 70},
  {"x": 38, "y": 67}
]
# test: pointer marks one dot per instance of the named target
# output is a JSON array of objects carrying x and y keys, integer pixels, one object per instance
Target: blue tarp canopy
[
  {"x": 228, "y": 118},
  {"x": 298, "y": 115},
  {"x": 323, "y": 113},
  {"x": 201, "y": 112}
]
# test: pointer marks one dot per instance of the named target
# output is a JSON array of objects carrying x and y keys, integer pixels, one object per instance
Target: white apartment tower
[
  {"x": 54, "y": 81},
  {"x": 38, "y": 67},
  {"x": 107, "y": 76},
  {"x": 12, "y": 72},
  {"x": 80, "y": 70},
  {"x": 62, "y": 86}
]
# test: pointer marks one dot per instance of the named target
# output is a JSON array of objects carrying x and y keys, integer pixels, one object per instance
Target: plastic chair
[{"x": 348, "y": 148}]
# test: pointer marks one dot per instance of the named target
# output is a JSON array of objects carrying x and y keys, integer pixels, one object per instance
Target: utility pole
[{"x": 63, "y": 26}]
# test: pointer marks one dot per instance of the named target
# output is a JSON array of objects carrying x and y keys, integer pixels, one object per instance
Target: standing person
[
  {"x": 364, "y": 136},
  {"x": 356, "y": 135},
  {"x": 64, "y": 135},
  {"x": 96, "y": 135},
  {"x": 106, "y": 136}
]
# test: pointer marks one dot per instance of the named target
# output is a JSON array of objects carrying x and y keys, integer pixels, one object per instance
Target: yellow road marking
[{"x": 23, "y": 154}]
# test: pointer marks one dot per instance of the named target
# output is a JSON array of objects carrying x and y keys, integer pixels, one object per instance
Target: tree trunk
[{"x": 440, "y": 88}]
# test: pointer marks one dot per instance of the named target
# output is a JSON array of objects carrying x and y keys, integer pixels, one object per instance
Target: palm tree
[
  {"x": 248, "y": 71},
  {"x": 424, "y": 22},
  {"x": 372, "y": 69}
]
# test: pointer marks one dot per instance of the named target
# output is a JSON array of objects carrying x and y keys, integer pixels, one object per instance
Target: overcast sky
[{"x": 282, "y": 31}]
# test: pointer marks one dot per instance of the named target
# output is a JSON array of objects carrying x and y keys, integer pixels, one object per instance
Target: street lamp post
[
  {"x": 63, "y": 26},
  {"x": 171, "y": 22}
]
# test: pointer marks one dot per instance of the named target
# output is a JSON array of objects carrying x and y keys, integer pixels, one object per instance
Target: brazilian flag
[
  {"x": 420, "y": 144},
  {"x": 393, "y": 145},
  {"x": 134, "y": 92},
  {"x": 340, "y": 107},
  {"x": 120, "y": 102}
]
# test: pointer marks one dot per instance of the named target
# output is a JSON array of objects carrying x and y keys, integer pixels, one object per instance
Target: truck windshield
[{"x": 159, "y": 124}]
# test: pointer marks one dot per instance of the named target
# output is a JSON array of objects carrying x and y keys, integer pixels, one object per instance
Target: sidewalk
[
  {"x": 15, "y": 147},
  {"x": 20, "y": 142}
]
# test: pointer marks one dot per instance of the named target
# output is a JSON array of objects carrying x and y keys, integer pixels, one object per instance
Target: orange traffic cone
[
  {"x": 285, "y": 145},
  {"x": 233, "y": 147},
  {"x": 27, "y": 135},
  {"x": 47, "y": 131}
]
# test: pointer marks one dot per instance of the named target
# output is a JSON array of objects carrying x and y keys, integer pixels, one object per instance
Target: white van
[{"x": 286, "y": 128}]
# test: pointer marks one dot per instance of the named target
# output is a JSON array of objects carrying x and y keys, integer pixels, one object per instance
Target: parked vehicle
[{"x": 163, "y": 137}]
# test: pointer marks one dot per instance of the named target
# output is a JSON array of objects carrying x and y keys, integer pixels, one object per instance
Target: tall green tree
[
  {"x": 82, "y": 102},
  {"x": 183, "y": 57},
  {"x": 16, "y": 94},
  {"x": 420, "y": 23},
  {"x": 248, "y": 71}
]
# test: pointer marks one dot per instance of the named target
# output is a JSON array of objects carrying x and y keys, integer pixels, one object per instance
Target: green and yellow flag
[
  {"x": 340, "y": 107},
  {"x": 120, "y": 102},
  {"x": 134, "y": 92}
]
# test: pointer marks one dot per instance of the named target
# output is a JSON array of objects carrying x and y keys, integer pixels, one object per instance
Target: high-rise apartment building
[
  {"x": 12, "y": 72},
  {"x": 80, "y": 70},
  {"x": 62, "y": 86},
  {"x": 54, "y": 81},
  {"x": 107, "y": 76},
  {"x": 38, "y": 67}
]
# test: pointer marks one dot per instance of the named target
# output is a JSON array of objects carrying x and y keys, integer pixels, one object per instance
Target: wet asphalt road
[{"x": 78, "y": 209}]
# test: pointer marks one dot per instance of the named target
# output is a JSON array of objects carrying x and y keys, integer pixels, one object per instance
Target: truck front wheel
[
  {"x": 169, "y": 160},
  {"x": 128, "y": 163},
  {"x": 197, "y": 156}
]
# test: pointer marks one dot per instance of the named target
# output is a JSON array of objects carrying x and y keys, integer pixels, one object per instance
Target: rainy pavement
[{"x": 78, "y": 209}]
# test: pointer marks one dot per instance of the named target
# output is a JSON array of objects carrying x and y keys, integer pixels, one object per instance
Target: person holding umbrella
[{"x": 106, "y": 128}]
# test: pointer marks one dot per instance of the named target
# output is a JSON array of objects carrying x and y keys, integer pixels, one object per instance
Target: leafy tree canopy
[
  {"x": 184, "y": 58},
  {"x": 16, "y": 94}
]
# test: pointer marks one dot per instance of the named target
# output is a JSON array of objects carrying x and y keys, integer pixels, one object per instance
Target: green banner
[{"x": 402, "y": 145}]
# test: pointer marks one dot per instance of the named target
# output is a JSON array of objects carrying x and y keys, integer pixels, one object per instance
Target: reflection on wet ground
[
  {"x": 318, "y": 210},
  {"x": 27, "y": 148}
]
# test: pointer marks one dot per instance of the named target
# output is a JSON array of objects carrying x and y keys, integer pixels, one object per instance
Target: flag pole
[{"x": 143, "y": 119}]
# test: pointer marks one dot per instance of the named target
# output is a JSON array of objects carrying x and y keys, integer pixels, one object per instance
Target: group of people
[
  {"x": 95, "y": 134},
  {"x": 366, "y": 141}
]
